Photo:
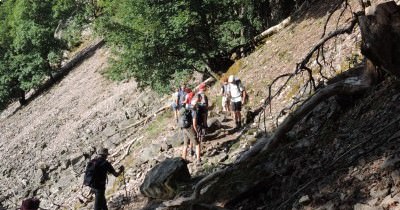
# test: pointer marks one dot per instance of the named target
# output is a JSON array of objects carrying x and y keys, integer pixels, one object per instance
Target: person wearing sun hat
[
  {"x": 237, "y": 95},
  {"x": 202, "y": 101}
]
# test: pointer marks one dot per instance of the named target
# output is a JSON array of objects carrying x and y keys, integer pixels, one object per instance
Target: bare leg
[{"x": 198, "y": 152}]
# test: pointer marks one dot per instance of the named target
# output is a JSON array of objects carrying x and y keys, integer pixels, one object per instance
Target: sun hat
[
  {"x": 231, "y": 78},
  {"x": 202, "y": 86}
]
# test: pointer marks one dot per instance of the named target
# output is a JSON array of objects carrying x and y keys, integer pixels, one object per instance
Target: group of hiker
[{"x": 191, "y": 111}]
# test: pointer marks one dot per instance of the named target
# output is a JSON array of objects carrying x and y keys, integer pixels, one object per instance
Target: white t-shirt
[
  {"x": 174, "y": 97},
  {"x": 235, "y": 92}
]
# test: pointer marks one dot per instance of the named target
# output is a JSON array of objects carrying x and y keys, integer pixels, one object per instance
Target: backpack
[
  {"x": 186, "y": 119},
  {"x": 240, "y": 87},
  {"x": 92, "y": 171},
  {"x": 30, "y": 204}
]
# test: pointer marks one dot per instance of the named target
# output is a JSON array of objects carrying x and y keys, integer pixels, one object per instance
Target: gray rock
[
  {"x": 389, "y": 200},
  {"x": 379, "y": 193},
  {"x": 165, "y": 146},
  {"x": 360, "y": 206},
  {"x": 304, "y": 200},
  {"x": 327, "y": 206},
  {"x": 213, "y": 124},
  {"x": 163, "y": 181},
  {"x": 109, "y": 131},
  {"x": 150, "y": 152},
  {"x": 76, "y": 158},
  {"x": 176, "y": 140}
]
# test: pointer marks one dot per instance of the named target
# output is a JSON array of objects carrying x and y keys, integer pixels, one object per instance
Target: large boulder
[{"x": 162, "y": 181}]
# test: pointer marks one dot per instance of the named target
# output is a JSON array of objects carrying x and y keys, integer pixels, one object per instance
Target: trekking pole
[{"x": 123, "y": 178}]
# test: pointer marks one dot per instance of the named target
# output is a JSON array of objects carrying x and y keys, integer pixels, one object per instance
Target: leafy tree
[
  {"x": 28, "y": 47},
  {"x": 155, "y": 39}
]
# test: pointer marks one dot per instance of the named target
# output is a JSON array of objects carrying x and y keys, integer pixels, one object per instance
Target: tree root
[{"x": 349, "y": 86}]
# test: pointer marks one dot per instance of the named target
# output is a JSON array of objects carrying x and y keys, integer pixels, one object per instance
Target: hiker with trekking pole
[{"x": 96, "y": 177}]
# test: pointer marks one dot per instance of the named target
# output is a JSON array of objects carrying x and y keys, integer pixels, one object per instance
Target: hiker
[
  {"x": 188, "y": 132},
  {"x": 30, "y": 204},
  {"x": 201, "y": 112},
  {"x": 175, "y": 103},
  {"x": 188, "y": 98},
  {"x": 188, "y": 124},
  {"x": 180, "y": 99},
  {"x": 100, "y": 178},
  {"x": 237, "y": 95},
  {"x": 225, "y": 96}
]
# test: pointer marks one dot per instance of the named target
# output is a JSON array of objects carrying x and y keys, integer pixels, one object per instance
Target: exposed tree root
[{"x": 349, "y": 86}]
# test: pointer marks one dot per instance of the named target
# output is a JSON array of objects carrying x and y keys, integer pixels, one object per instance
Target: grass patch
[
  {"x": 235, "y": 146},
  {"x": 218, "y": 102},
  {"x": 295, "y": 87},
  {"x": 233, "y": 70},
  {"x": 282, "y": 55},
  {"x": 209, "y": 168},
  {"x": 159, "y": 124}
]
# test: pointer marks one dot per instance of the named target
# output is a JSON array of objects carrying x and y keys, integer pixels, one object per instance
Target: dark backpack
[
  {"x": 92, "y": 171},
  {"x": 186, "y": 119},
  {"x": 30, "y": 204}
]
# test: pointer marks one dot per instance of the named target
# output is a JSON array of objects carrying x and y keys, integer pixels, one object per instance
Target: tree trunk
[{"x": 380, "y": 30}]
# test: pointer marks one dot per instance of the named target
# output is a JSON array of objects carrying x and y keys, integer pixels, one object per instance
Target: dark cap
[{"x": 102, "y": 151}]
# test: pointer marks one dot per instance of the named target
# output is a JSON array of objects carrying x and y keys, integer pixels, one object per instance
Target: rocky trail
[{"x": 342, "y": 155}]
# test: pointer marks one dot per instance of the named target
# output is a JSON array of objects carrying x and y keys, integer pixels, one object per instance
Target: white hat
[{"x": 231, "y": 78}]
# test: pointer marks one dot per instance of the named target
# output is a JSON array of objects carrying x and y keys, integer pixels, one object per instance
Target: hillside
[{"x": 340, "y": 156}]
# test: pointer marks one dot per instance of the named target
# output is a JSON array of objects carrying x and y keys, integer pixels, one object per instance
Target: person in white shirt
[
  {"x": 237, "y": 95},
  {"x": 225, "y": 97},
  {"x": 175, "y": 103}
]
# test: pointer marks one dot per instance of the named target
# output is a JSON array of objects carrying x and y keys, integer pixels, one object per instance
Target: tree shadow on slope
[{"x": 351, "y": 160}]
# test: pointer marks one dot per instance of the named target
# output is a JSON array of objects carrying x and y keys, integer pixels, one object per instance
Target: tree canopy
[
  {"x": 155, "y": 40},
  {"x": 29, "y": 51}
]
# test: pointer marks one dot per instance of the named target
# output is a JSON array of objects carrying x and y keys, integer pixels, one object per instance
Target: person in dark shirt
[{"x": 99, "y": 187}]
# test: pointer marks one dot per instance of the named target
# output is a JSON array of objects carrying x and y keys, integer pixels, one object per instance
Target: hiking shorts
[
  {"x": 236, "y": 106},
  {"x": 189, "y": 134},
  {"x": 174, "y": 106}
]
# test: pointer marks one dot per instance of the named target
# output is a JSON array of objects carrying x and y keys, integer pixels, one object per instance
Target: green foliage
[
  {"x": 156, "y": 40},
  {"x": 29, "y": 52}
]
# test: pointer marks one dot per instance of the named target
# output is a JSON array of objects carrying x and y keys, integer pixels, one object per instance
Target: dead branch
[
  {"x": 345, "y": 30},
  {"x": 349, "y": 86},
  {"x": 125, "y": 145},
  {"x": 128, "y": 148},
  {"x": 146, "y": 119},
  {"x": 329, "y": 17},
  {"x": 272, "y": 30},
  {"x": 330, "y": 166}
]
